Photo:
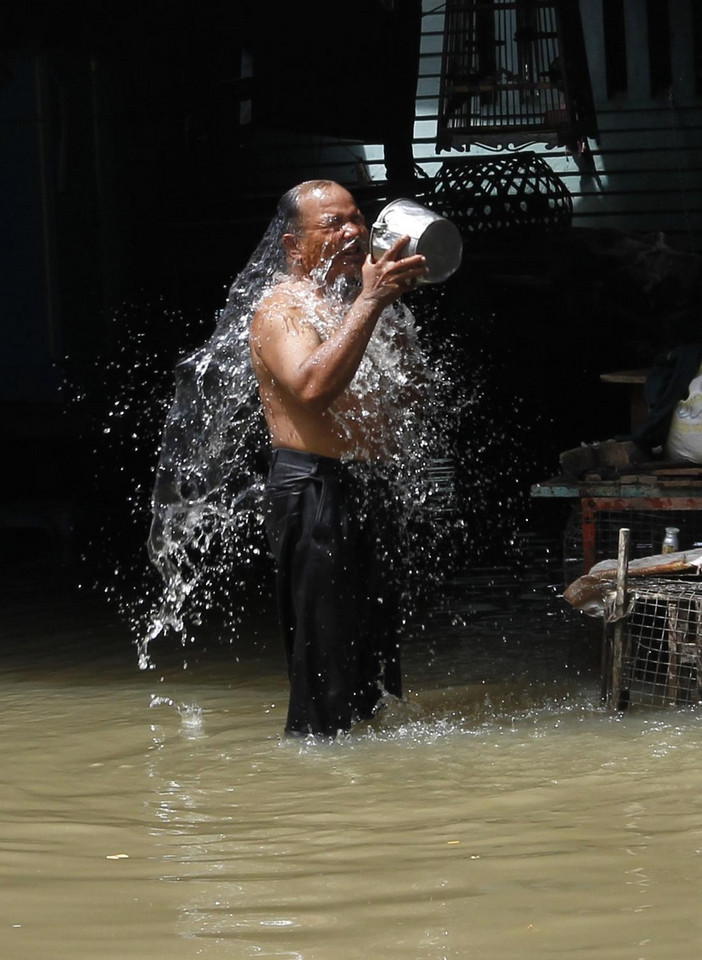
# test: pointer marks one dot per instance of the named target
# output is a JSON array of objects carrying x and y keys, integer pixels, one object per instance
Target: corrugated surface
[{"x": 645, "y": 173}]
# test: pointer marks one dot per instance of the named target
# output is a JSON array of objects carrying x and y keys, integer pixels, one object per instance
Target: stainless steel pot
[{"x": 435, "y": 237}]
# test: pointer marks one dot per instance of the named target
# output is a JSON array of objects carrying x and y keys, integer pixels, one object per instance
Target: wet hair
[{"x": 290, "y": 204}]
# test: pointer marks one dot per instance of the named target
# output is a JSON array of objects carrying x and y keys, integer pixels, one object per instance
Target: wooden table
[{"x": 669, "y": 487}]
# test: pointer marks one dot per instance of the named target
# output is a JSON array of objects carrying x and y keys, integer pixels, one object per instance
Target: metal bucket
[{"x": 435, "y": 237}]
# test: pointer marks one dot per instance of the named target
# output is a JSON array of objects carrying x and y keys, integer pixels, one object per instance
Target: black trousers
[{"x": 332, "y": 529}]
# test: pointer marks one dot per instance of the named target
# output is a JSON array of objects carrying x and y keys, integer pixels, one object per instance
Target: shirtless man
[{"x": 308, "y": 339}]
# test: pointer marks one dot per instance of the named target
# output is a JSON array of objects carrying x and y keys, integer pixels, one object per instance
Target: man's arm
[{"x": 314, "y": 372}]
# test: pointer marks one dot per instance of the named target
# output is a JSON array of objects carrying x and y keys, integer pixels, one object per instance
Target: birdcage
[{"x": 512, "y": 72}]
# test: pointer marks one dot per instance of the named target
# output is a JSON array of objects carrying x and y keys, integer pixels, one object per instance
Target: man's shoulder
[
  {"x": 284, "y": 299},
  {"x": 290, "y": 290},
  {"x": 286, "y": 309}
]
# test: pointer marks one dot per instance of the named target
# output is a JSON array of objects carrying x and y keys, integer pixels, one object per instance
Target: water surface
[{"x": 498, "y": 812}]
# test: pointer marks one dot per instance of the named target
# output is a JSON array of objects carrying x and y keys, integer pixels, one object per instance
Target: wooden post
[{"x": 616, "y": 693}]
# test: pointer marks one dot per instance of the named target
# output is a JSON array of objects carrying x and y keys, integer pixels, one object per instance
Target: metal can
[
  {"x": 435, "y": 237},
  {"x": 670, "y": 540}
]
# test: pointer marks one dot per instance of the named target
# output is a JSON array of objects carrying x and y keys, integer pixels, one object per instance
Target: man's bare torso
[{"x": 358, "y": 424}]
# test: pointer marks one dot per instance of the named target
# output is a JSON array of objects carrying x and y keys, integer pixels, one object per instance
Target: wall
[{"x": 645, "y": 171}]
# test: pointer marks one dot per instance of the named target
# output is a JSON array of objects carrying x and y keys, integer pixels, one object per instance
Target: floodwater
[{"x": 499, "y": 812}]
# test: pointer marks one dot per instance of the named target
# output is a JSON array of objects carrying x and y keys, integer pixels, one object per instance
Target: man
[{"x": 334, "y": 372}]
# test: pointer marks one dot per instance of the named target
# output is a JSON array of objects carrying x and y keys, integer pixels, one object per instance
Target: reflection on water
[{"x": 498, "y": 812}]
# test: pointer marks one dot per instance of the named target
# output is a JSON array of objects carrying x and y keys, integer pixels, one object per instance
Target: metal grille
[
  {"x": 647, "y": 531},
  {"x": 440, "y": 479},
  {"x": 503, "y": 72},
  {"x": 663, "y": 645}
]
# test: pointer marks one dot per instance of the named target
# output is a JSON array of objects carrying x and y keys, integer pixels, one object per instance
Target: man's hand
[{"x": 387, "y": 278}]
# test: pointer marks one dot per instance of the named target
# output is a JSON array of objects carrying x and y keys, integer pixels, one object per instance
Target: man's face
[{"x": 333, "y": 240}]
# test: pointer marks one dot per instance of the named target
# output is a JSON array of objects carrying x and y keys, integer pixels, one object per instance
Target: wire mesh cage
[
  {"x": 662, "y": 643},
  {"x": 491, "y": 194}
]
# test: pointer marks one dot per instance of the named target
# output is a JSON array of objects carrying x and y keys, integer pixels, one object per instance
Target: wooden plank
[
  {"x": 681, "y": 484},
  {"x": 691, "y": 471},
  {"x": 649, "y": 115},
  {"x": 626, "y": 376},
  {"x": 682, "y": 54},
  {"x": 628, "y": 479},
  {"x": 637, "y": 65},
  {"x": 686, "y": 496},
  {"x": 591, "y": 14}
]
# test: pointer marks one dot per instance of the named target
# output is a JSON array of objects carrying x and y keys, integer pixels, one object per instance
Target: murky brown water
[{"x": 498, "y": 813}]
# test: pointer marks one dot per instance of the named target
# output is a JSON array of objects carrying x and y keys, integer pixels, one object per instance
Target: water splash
[
  {"x": 190, "y": 713},
  {"x": 207, "y": 507},
  {"x": 208, "y": 518},
  {"x": 214, "y": 552},
  {"x": 207, "y": 543}
]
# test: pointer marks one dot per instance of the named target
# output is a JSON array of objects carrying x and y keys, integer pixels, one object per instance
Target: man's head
[{"x": 326, "y": 236}]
